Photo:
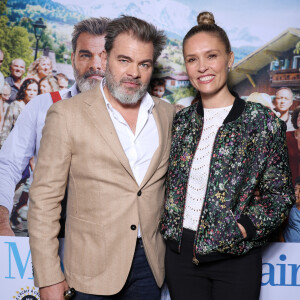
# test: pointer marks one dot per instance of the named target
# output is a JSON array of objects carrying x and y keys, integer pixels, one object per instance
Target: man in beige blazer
[{"x": 110, "y": 146}]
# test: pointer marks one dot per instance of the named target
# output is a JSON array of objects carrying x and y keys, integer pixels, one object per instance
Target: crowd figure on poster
[
  {"x": 281, "y": 104},
  {"x": 21, "y": 86}
]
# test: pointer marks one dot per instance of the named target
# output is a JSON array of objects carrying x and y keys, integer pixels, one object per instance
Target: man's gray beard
[
  {"x": 119, "y": 93},
  {"x": 85, "y": 83}
]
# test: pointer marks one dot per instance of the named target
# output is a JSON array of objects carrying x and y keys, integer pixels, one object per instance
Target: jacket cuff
[{"x": 246, "y": 222}]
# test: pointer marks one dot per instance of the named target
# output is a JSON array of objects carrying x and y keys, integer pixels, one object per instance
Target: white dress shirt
[
  {"x": 23, "y": 143},
  {"x": 140, "y": 146}
]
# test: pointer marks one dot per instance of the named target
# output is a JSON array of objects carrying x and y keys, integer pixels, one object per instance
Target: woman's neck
[
  {"x": 297, "y": 133},
  {"x": 221, "y": 99},
  {"x": 23, "y": 100}
]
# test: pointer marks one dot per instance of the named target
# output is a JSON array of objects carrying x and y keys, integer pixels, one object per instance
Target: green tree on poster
[
  {"x": 297, "y": 48},
  {"x": 14, "y": 42}
]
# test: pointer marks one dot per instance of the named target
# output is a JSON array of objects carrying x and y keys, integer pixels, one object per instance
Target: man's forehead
[
  {"x": 284, "y": 92},
  {"x": 90, "y": 42},
  {"x": 18, "y": 62},
  {"x": 124, "y": 37},
  {"x": 128, "y": 45},
  {"x": 6, "y": 89}
]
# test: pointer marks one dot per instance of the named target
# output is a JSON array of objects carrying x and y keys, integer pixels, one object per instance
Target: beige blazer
[{"x": 80, "y": 148}]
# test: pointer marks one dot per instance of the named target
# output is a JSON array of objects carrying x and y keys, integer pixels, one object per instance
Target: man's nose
[
  {"x": 133, "y": 70},
  {"x": 95, "y": 63}
]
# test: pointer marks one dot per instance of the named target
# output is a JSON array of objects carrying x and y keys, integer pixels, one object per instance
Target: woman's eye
[{"x": 190, "y": 60}]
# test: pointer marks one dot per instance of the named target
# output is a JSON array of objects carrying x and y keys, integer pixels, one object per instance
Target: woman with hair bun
[{"x": 223, "y": 150}]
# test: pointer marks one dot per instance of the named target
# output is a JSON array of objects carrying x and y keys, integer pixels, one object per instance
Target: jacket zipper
[
  {"x": 195, "y": 260},
  {"x": 186, "y": 186}
]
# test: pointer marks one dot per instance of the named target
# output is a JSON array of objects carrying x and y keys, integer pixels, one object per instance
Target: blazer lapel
[
  {"x": 97, "y": 111},
  {"x": 163, "y": 130}
]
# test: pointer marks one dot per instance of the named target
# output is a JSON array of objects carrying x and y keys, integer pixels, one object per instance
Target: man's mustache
[
  {"x": 131, "y": 80},
  {"x": 93, "y": 73}
]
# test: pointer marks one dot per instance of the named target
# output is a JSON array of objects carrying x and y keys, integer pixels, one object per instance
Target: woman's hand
[{"x": 243, "y": 231}]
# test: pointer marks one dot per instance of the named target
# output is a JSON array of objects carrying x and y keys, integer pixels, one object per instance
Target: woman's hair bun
[{"x": 206, "y": 17}]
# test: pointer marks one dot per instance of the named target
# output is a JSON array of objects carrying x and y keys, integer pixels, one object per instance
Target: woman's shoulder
[
  {"x": 16, "y": 104},
  {"x": 259, "y": 108},
  {"x": 260, "y": 114},
  {"x": 185, "y": 113}
]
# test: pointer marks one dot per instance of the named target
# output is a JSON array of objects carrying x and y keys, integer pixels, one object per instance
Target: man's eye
[{"x": 145, "y": 66}]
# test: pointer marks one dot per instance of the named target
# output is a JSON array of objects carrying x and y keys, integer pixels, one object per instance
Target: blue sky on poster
[{"x": 248, "y": 23}]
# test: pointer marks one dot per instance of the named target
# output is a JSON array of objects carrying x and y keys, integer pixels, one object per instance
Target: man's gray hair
[
  {"x": 13, "y": 62},
  {"x": 137, "y": 28},
  {"x": 93, "y": 26}
]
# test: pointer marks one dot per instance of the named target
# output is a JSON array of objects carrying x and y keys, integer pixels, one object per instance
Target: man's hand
[
  {"x": 5, "y": 228},
  {"x": 54, "y": 292}
]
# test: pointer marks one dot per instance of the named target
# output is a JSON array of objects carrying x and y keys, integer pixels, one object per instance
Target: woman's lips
[{"x": 206, "y": 78}]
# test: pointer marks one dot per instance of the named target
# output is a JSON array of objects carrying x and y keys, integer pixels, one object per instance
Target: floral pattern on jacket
[{"x": 249, "y": 153}]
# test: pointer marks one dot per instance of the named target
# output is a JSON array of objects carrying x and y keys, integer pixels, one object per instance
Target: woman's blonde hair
[
  {"x": 33, "y": 68},
  {"x": 52, "y": 80}
]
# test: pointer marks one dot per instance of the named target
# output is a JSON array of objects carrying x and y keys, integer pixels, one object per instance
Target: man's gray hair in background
[
  {"x": 140, "y": 29},
  {"x": 93, "y": 26}
]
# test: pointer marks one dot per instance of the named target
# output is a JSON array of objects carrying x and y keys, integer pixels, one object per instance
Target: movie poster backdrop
[{"x": 265, "y": 38}]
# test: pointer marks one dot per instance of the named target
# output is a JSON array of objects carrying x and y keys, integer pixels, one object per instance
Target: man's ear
[
  {"x": 104, "y": 57},
  {"x": 72, "y": 59}
]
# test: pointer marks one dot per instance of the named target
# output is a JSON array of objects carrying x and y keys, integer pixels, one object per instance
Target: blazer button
[
  {"x": 133, "y": 227},
  {"x": 139, "y": 193}
]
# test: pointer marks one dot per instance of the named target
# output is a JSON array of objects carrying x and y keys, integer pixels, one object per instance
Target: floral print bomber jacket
[{"x": 249, "y": 153}]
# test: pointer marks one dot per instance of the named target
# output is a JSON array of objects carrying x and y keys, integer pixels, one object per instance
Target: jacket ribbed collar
[{"x": 236, "y": 110}]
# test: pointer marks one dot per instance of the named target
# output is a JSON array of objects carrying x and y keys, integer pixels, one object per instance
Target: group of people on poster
[
  {"x": 18, "y": 89},
  {"x": 210, "y": 183},
  {"x": 281, "y": 104}
]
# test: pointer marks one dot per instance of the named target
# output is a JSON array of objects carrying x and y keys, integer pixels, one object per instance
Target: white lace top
[{"x": 213, "y": 119}]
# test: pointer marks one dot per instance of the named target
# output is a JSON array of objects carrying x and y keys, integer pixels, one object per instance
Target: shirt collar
[
  {"x": 74, "y": 90},
  {"x": 71, "y": 92},
  {"x": 11, "y": 82},
  {"x": 147, "y": 102}
]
